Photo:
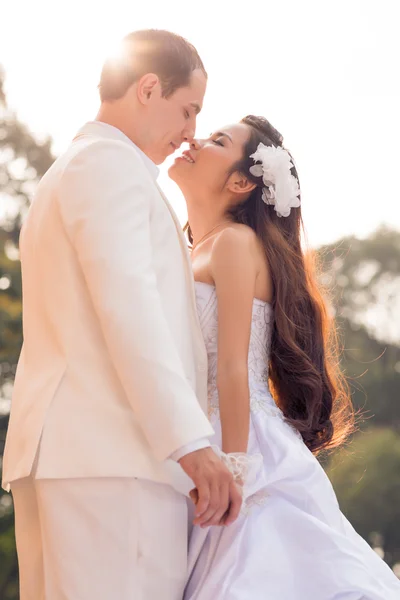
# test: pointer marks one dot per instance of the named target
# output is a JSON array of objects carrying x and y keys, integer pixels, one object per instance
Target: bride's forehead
[{"x": 237, "y": 131}]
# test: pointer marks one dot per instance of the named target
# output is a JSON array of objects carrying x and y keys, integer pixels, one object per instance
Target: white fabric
[
  {"x": 154, "y": 172},
  {"x": 245, "y": 469},
  {"x": 100, "y": 539},
  {"x": 112, "y": 376},
  {"x": 293, "y": 543},
  {"x": 281, "y": 187},
  {"x": 118, "y": 134},
  {"x": 200, "y": 444}
]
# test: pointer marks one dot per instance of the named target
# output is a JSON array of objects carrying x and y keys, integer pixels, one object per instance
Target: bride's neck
[{"x": 202, "y": 222}]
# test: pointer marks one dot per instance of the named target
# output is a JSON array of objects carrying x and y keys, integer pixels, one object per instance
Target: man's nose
[
  {"x": 188, "y": 135},
  {"x": 195, "y": 144},
  {"x": 190, "y": 130}
]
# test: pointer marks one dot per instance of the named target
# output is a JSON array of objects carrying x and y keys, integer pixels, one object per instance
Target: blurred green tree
[
  {"x": 23, "y": 160},
  {"x": 364, "y": 279},
  {"x": 366, "y": 477}
]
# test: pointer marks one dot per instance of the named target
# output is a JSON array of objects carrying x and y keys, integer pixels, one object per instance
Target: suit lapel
[{"x": 187, "y": 261}]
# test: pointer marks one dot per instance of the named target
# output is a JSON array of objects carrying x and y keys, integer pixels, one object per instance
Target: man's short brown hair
[{"x": 163, "y": 53}]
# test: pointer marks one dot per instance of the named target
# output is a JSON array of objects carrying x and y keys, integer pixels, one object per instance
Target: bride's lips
[{"x": 187, "y": 157}]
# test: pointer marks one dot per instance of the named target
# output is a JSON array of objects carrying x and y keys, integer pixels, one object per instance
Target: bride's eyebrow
[{"x": 221, "y": 134}]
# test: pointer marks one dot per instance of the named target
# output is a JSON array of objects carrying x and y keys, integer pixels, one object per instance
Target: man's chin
[
  {"x": 159, "y": 157},
  {"x": 162, "y": 157},
  {"x": 173, "y": 148}
]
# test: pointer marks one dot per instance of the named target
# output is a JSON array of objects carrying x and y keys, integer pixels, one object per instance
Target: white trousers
[{"x": 100, "y": 539}]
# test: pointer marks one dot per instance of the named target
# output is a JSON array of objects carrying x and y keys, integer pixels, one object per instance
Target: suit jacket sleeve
[{"x": 106, "y": 212}]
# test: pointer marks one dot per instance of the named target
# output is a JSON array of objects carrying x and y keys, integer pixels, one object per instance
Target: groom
[{"x": 108, "y": 428}]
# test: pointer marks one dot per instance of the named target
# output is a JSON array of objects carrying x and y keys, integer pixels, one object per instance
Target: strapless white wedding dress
[{"x": 291, "y": 541}]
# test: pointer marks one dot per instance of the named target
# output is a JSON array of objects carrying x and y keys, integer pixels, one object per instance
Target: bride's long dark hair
[{"x": 304, "y": 370}]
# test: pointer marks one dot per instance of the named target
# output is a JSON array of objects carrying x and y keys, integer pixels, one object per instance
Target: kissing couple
[{"x": 173, "y": 390}]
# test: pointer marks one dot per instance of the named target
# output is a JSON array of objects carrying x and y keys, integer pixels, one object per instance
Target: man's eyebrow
[{"x": 196, "y": 107}]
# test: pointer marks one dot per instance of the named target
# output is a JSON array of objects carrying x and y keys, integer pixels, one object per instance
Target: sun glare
[{"x": 113, "y": 51}]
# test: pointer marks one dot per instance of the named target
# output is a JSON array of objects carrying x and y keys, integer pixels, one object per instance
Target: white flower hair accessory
[{"x": 281, "y": 188}]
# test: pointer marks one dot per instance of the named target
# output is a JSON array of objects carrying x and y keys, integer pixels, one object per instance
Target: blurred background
[{"x": 326, "y": 75}]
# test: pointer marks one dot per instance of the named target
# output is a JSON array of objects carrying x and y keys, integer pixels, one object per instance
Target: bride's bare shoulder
[
  {"x": 236, "y": 237},
  {"x": 234, "y": 249},
  {"x": 236, "y": 233}
]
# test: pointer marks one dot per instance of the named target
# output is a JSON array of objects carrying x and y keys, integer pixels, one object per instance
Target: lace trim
[
  {"x": 259, "y": 498},
  {"x": 245, "y": 468}
]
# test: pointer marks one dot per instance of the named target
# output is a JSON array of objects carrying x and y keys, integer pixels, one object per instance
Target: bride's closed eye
[{"x": 215, "y": 138}]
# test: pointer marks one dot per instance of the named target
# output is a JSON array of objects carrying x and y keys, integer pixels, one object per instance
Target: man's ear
[{"x": 146, "y": 87}]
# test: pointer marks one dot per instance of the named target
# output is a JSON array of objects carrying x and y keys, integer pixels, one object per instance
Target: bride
[{"x": 276, "y": 395}]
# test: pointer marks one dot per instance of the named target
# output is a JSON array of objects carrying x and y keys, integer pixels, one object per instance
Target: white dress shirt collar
[{"x": 98, "y": 128}]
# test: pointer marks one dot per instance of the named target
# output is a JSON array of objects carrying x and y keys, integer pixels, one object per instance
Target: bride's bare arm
[{"x": 234, "y": 270}]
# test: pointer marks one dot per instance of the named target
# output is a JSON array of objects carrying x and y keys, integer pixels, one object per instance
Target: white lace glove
[{"x": 244, "y": 468}]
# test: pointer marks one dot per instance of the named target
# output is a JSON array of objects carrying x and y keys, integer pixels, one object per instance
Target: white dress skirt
[{"x": 291, "y": 541}]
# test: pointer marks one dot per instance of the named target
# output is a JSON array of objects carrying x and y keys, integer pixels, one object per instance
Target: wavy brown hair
[{"x": 304, "y": 370}]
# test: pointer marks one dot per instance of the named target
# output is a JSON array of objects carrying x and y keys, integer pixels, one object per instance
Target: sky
[{"x": 324, "y": 73}]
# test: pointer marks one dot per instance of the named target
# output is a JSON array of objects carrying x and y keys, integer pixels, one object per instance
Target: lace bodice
[{"x": 261, "y": 327}]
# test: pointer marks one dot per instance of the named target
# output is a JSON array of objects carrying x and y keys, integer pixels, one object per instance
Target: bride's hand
[{"x": 218, "y": 498}]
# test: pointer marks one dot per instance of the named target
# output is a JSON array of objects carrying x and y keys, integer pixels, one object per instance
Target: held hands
[{"x": 217, "y": 498}]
